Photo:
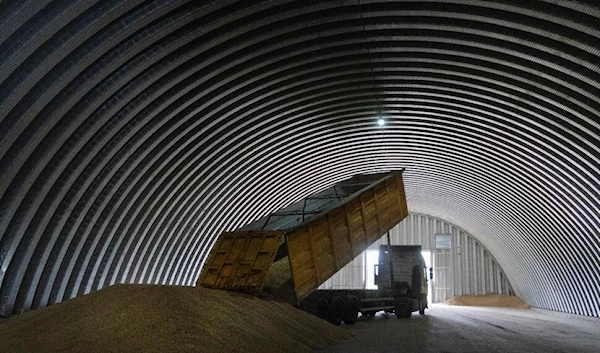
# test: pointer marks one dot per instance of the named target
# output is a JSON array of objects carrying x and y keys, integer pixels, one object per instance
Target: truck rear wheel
[
  {"x": 352, "y": 309},
  {"x": 403, "y": 314},
  {"x": 322, "y": 309},
  {"x": 338, "y": 308},
  {"x": 402, "y": 308},
  {"x": 422, "y": 305}
]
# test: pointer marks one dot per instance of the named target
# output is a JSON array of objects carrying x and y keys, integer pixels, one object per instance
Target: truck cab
[{"x": 402, "y": 275}]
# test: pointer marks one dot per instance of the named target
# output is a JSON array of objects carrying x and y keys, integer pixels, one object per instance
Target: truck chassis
[{"x": 402, "y": 290}]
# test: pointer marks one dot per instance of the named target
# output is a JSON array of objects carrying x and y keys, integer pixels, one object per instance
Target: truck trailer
[{"x": 288, "y": 254}]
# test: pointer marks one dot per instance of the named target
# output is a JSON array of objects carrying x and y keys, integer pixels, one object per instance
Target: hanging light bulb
[{"x": 381, "y": 122}]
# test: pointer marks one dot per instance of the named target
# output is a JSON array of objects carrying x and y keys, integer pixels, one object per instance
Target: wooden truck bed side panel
[
  {"x": 322, "y": 247},
  {"x": 240, "y": 261}
]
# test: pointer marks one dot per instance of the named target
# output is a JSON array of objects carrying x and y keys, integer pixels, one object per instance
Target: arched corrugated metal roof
[{"x": 133, "y": 132}]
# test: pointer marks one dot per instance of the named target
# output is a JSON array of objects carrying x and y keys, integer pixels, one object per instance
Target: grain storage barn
[{"x": 134, "y": 132}]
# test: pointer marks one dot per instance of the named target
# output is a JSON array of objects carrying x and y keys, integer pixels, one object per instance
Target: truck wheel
[
  {"x": 401, "y": 308},
  {"x": 403, "y": 313},
  {"x": 352, "y": 309},
  {"x": 422, "y": 311},
  {"x": 338, "y": 307},
  {"x": 322, "y": 309}
]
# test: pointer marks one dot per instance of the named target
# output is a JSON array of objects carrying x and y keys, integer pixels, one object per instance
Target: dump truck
[{"x": 288, "y": 254}]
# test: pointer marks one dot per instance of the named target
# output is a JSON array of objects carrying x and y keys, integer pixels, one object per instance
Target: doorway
[
  {"x": 372, "y": 259},
  {"x": 428, "y": 264}
]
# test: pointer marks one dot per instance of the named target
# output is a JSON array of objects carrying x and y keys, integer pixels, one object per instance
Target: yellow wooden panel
[
  {"x": 304, "y": 279},
  {"x": 240, "y": 261},
  {"x": 302, "y": 257},
  {"x": 359, "y": 241},
  {"x": 304, "y": 289},
  {"x": 330, "y": 242},
  {"x": 369, "y": 208},
  {"x": 339, "y": 232},
  {"x": 301, "y": 241},
  {"x": 343, "y": 248},
  {"x": 326, "y": 265}
]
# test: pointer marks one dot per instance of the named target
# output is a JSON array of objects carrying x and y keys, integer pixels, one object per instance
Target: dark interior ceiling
[{"x": 133, "y": 132}]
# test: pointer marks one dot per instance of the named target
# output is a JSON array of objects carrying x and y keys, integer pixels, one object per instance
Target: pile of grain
[
  {"x": 279, "y": 273},
  {"x": 145, "y": 318},
  {"x": 490, "y": 299}
]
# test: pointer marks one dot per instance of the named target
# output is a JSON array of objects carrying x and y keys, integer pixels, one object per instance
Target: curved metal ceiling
[{"x": 133, "y": 132}]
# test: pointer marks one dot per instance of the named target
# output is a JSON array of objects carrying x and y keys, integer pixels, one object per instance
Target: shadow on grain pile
[{"x": 148, "y": 318}]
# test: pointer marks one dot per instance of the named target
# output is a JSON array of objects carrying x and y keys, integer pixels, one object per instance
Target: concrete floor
[{"x": 447, "y": 329}]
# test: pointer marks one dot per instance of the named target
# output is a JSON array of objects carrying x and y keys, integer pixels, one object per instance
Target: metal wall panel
[
  {"x": 466, "y": 268},
  {"x": 352, "y": 276}
]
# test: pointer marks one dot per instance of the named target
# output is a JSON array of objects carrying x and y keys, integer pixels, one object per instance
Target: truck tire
[
  {"x": 338, "y": 308},
  {"x": 422, "y": 304},
  {"x": 403, "y": 314},
  {"x": 352, "y": 309},
  {"x": 322, "y": 309},
  {"x": 402, "y": 308}
]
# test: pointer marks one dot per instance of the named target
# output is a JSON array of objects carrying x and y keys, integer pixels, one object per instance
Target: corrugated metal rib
[{"x": 134, "y": 132}]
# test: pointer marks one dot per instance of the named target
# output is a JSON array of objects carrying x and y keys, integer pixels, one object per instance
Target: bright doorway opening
[
  {"x": 371, "y": 260},
  {"x": 428, "y": 264}
]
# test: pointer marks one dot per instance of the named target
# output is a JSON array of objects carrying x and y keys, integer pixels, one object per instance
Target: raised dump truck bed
[{"x": 291, "y": 252}]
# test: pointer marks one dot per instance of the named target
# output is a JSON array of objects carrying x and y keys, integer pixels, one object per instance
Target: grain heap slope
[
  {"x": 490, "y": 299},
  {"x": 147, "y": 318}
]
